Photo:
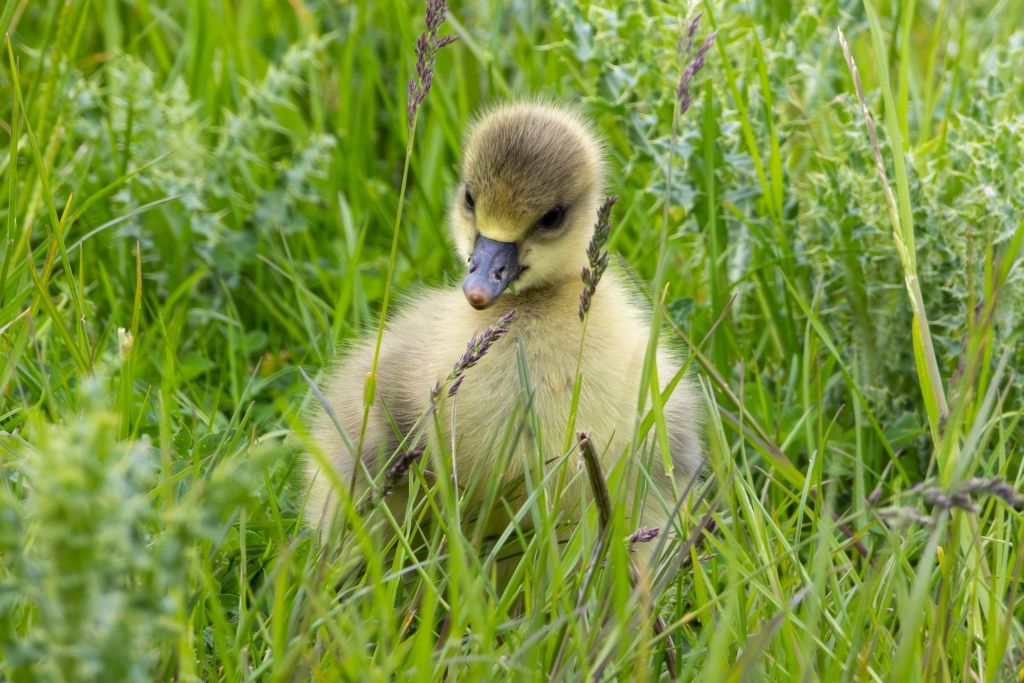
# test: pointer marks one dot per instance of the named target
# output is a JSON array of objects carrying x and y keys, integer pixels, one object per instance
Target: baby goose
[{"x": 522, "y": 217}]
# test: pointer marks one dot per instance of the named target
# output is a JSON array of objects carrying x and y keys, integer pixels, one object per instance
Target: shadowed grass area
[{"x": 198, "y": 200}]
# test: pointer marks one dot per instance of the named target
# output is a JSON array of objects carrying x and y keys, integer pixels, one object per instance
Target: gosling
[{"x": 522, "y": 217}]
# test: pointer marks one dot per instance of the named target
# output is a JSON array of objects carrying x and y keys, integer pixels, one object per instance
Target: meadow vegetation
[{"x": 198, "y": 202}]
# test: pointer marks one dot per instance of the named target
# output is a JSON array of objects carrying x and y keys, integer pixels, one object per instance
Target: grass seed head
[
  {"x": 475, "y": 350},
  {"x": 597, "y": 257},
  {"x": 643, "y": 535},
  {"x": 684, "y": 94},
  {"x": 427, "y": 45},
  {"x": 399, "y": 469}
]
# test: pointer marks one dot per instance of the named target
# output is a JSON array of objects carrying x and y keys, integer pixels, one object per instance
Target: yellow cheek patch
[{"x": 500, "y": 232}]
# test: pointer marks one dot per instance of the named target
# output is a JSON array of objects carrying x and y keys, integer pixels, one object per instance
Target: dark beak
[{"x": 493, "y": 266}]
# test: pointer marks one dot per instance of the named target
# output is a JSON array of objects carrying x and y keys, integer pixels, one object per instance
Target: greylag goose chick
[{"x": 521, "y": 218}]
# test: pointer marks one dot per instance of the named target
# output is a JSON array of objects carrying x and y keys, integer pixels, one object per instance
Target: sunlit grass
[{"x": 202, "y": 200}]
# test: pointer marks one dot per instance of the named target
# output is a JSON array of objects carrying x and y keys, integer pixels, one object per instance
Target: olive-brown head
[{"x": 523, "y": 213}]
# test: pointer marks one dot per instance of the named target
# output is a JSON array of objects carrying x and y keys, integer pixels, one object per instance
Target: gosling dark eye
[
  {"x": 470, "y": 204},
  {"x": 552, "y": 219}
]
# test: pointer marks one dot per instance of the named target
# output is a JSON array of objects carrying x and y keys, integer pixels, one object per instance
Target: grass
[{"x": 199, "y": 199}]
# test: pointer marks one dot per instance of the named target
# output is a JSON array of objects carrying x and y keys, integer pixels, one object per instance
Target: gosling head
[{"x": 523, "y": 214}]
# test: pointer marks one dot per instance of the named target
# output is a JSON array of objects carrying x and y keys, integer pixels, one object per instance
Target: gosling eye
[
  {"x": 470, "y": 204},
  {"x": 552, "y": 219}
]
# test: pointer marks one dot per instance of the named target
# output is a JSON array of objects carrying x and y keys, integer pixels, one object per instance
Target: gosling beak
[{"x": 491, "y": 268}]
